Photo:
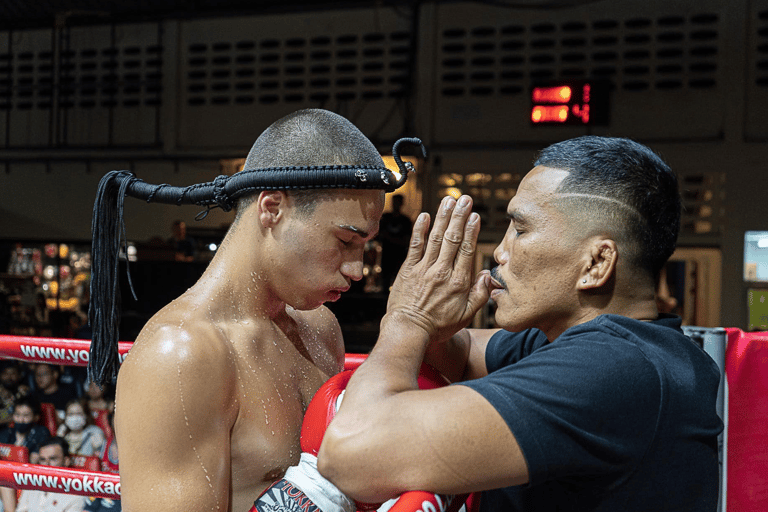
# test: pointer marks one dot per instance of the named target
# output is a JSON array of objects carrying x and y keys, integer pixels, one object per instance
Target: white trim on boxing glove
[{"x": 321, "y": 491}]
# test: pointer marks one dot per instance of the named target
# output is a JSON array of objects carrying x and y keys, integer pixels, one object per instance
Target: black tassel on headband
[{"x": 108, "y": 227}]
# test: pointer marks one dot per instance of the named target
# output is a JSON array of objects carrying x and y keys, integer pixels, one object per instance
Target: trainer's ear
[
  {"x": 271, "y": 207},
  {"x": 603, "y": 258}
]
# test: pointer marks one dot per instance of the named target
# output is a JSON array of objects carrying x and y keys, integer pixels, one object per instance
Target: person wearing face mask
[
  {"x": 26, "y": 430},
  {"x": 83, "y": 437}
]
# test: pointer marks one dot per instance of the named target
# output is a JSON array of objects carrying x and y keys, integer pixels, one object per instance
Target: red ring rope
[
  {"x": 19, "y": 475},
  {"x": 51, "y": 350},
  {"x": 69, "y": 352}
]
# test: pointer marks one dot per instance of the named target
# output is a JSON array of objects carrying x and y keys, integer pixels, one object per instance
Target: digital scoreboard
[{"x": 582, "y": 103}]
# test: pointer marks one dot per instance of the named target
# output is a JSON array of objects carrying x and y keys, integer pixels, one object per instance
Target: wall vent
[
  {"x": 296, "y": 70},
  {"x": 83, "y": 78},
  {"x": 761, "y": 49},
  {"x": 637, "y": 54}
]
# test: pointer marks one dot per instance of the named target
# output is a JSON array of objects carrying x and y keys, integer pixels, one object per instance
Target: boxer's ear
[{"x": 271, "y": 206}]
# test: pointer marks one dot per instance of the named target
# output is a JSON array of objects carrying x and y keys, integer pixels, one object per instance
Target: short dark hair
[
  {"x": 10, "y": 363},
  {"x": 631, "y": 174},
  {"x": 310, "y": 137},
  {"x": 56, "y": 441},
  {"x": 28, "y": 401}
]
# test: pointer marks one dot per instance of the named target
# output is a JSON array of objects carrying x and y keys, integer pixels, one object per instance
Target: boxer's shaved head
[{"x": 310, "y": 137}]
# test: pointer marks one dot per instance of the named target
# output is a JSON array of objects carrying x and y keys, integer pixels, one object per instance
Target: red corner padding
[
  {"x": 91, "y": 463},
  {"x": 746, "y": 368},
  {"x": 352, "y": 361},
  {"x": 49, "y": 419},
  {"x": 14, "y": 453}
]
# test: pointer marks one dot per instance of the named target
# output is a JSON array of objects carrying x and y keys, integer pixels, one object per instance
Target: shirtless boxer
[{"x": 211, "y": 398}]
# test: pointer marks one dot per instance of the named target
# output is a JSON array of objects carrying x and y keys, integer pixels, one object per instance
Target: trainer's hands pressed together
[
  {"x": 389, "y": 437},
  {"x": 434, "y": 287}
]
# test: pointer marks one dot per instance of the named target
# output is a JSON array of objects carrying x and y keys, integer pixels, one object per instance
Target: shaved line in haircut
[{"x": 592, "y": 197}]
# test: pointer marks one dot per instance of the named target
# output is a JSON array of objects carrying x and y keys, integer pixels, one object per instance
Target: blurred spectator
[
  {"x": 26, "y": 430},
  {"x": 52, "y": 453},
  {"x": 12, "y": 375},
  {"x": 22, "y": 317},
  {"x": 394, "y": 234},
  {"x": 74, "y": 323},
  {"x": 100, "y": 398},
  {"x": 82, "y": 436},
  {"x": 11, "y": 388},
  {"x": 84, "y": 332},
  {"x": 48, "y": 388},
  {"x": 42, "y": 316},
  {"x": 182, "y": 244},
  {"x": 5, "y": 313},
  {"x": 102, "y": 505},
  {"x": 109, "y": 458}
]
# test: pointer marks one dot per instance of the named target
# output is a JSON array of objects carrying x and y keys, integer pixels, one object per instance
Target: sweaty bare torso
[
  {"x": 232, "y": 396},
  {"x": 276, "y": 380}
]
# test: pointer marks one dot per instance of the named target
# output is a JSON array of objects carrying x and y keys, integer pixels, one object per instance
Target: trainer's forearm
[
  {"x": 367, "y": 421},
  {"x": 393, "y": 365}
]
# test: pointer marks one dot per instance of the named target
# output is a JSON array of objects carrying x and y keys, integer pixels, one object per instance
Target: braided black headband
[{"x": 108, "y": 226}]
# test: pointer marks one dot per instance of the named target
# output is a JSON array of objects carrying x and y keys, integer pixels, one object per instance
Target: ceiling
[{"x": 25, "y": 14}]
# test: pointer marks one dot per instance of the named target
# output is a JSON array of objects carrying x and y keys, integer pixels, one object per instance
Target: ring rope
[
  {"x": 67, "y": 352},
  {"x": 81, "y": 482}
]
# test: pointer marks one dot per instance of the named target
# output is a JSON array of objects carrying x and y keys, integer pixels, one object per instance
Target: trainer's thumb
[{"x": 480, "y": 292}]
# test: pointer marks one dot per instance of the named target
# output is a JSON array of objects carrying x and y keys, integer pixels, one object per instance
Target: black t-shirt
[
  {"x": 35, "y": 437},
  {"x": 615, "y": 414},
  {"x": 60, "y": 398},
  {"x": 394, "y": 233}
]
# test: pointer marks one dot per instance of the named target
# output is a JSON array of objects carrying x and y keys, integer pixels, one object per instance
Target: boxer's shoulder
[{"x": 171, "y": 343}]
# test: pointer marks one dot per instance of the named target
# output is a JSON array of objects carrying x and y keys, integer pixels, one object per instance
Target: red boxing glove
[
  {"x": 321, "y": 411},
  {"x": 325, "y": 406},
  {"x": 326, "y": 401},
  {"x": 303, "y": 487},
  {"x": 421, "y": 501}
]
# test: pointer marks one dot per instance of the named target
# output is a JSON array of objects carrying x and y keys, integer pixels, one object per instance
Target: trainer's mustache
[{"x": 496, "y": 277}]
